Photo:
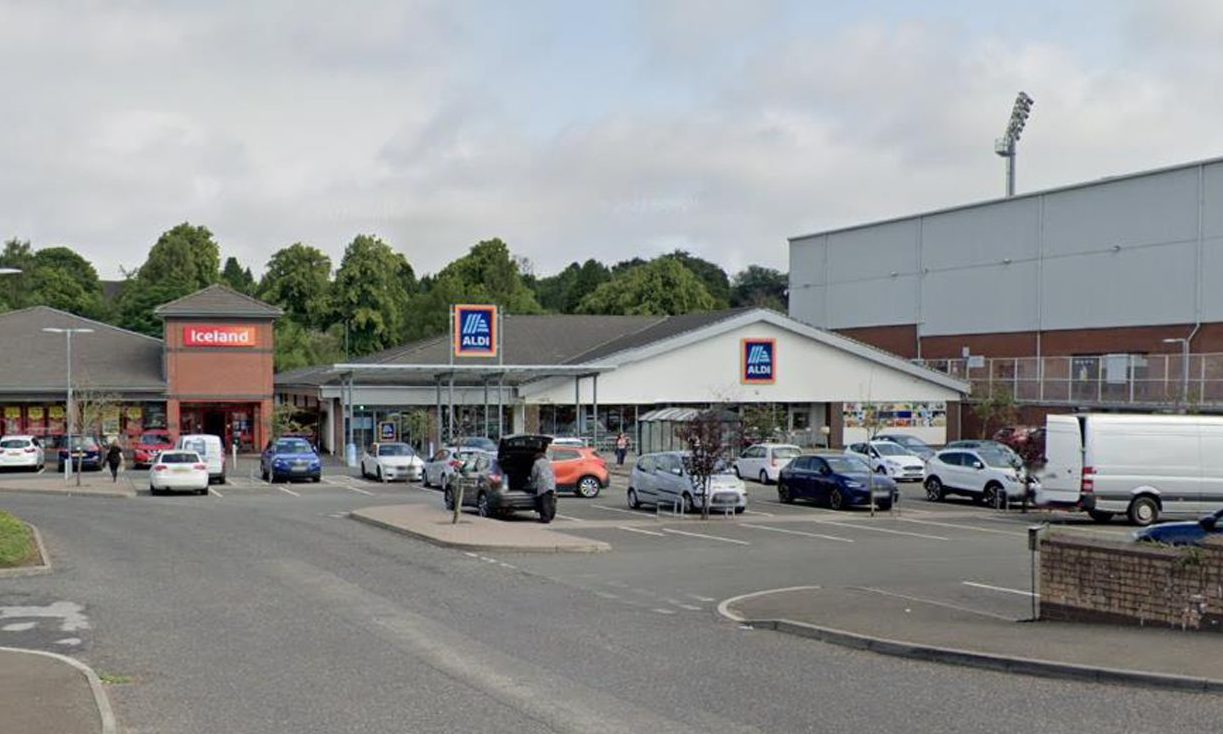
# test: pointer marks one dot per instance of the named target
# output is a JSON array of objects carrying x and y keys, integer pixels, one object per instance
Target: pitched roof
[
  {"x": 109, "y": 359},
  {"x": 218, "y": 300}
]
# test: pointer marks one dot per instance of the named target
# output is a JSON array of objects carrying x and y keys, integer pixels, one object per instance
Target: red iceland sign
[{"x": 208, "y": 335}]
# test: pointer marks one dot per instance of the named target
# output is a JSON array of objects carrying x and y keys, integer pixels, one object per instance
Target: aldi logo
[
  {"x": 475, "y": 331},
  {"x": 758, "y": 359}
]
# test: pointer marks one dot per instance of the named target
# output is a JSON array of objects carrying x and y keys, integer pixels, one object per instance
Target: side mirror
[
  {"x": 825, "y": 470},
  {"x": 978, "y": 465},
  {"x": 678, "y": 471},
  {"x": 1208, "y": 523}
]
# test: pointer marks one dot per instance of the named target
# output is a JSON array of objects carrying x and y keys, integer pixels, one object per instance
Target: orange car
[{"x": 579, "y": 469}]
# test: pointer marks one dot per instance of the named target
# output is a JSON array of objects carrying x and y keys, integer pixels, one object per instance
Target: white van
[
  {"x": 210, "y": 449},
  {"x": 1144, "y": 466}
]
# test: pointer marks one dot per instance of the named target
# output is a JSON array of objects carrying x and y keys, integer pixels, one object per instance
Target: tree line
[{"x": 373, "y": 299}]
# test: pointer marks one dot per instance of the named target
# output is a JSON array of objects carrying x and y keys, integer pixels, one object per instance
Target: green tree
[
  {"x": 237, "y": 277},
  {"x": 182, "y": 261},
  {"x": 660, "y": 287},
  {"x": 712, "y": 275},
  {"x": 371, "y": 293},
  {"x": 54, "y": 276},
  {"x": 299, "y": 346},
  {"x": 760, "y": 287},
  {"x": 298, "y": 279},
  {"x": 564, "y": 291}
]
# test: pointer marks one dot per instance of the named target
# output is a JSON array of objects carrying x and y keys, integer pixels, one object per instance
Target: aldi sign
[
  {"x": 207, "y": 335},
  {"x": 758, "y": 361},
  {"x": 475, "y": 331}
]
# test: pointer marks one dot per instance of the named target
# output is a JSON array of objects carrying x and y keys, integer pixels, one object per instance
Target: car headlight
[{"x": 854, "y": 485}]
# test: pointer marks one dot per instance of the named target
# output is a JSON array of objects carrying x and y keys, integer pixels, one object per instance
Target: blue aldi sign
[
  {"x": 758, "y": 359},
  {"x": 475, "y": 331}
]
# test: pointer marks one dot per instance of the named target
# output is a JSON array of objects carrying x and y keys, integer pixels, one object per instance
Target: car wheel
[
  {"x": 992, "y": 496},
  {"x": 688, "y": 504},
  {"x": 783, "y": 494},
  {"x": 152, "y": 490},
  {"x": 588, "y": 487},
  {"x": 202, "y": 491},
  {"x": 836, "y": 500},
  {"x": 633, "y": 502},
  {"x": 764, "y": 477},
  {"x": 740, "y": 510},
  {"x": 448, "y": 498},
  {"x": 547, "y": 508},
  {"x": 934, "y": 490},
  {"x": 221, "y": 480},
  {"x": 1143, "y": 511},
  {"x": 1099, "y": 516},
  {"x": 883, "y": 506},
  {"x": 483, "y": 509},
  {"x": 317, "y": 479}
]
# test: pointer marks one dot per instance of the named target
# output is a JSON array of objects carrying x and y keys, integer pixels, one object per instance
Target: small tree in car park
[
  {"x": 86, "y": 417},
  {"x": 710, "y": 440},
  {"x": 284, "y": 421},
  {"x": 998, "y": 408}
]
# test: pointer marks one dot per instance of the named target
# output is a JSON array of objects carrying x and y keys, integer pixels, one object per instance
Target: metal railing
[{"x": 1149, "y": 380}]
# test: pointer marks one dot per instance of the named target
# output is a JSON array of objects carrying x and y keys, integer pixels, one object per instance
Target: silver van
[{"x": 664, "y": 480}]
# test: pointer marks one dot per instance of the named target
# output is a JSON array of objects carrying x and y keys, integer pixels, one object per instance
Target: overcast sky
[{"x": 571, "y": 129}]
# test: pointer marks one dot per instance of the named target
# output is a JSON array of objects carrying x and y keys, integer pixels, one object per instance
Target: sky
[{"x": 571, "y": 129}]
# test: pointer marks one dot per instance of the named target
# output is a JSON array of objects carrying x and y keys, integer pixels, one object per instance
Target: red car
[
  {"x": 579, "y": 469},
  {"x": 149, "y": 445},
  {"x": 1027, "y": 441}
]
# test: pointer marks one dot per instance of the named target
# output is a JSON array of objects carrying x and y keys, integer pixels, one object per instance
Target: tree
[
  {"x": 713, "y": 276},
  {"x": 138, "y": 299},
  {"x": 298, "y": 279},
  {"x": 54, "y": 276},
  {"x": 182, "y": 261},
  {"x": 661, "y": 287},
  {"x": 299, "y": 346},
  {"x": 563, "y": 292},
  {"x": 16, "y": 254},
  {"x": 760, "y": 287},
  {"x": 997, "y": 407},
  {"x": 371, "y": 294},
  {"x": 709, "y": 439},
  {"x": 237, "y": 277}
]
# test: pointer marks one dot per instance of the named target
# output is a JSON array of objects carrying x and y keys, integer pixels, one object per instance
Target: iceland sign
[
  {"x": 209, "y": 335},
  {"x": 475, "y": 331},
  {"x": 758, "y": 360}
]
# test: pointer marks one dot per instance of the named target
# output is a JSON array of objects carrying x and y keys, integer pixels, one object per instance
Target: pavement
[
  {"x": 93, "y": 484},
  {"x": 475, "y": 533},
  {"x": 927, "y": 629},
  {"x": 42, "y": 692}
]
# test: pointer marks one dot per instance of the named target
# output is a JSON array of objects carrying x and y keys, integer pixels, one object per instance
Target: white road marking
[
  {"x": 362, "y": 491},
  {"x": 566, "y": 517},
  {"x": 956, "y": 607},
  {"x": 796, "y": 532},
  {"x": 510, "y": 566},
  {"x": 881, "y": 530},
  {"x": 754, "y": 512},
  {"x": 639, "y": 530},
  {"x": 698, "y": 597},
  {"x": 998, "y": 588},
  {"x": 286, "y": 490},
  {"x": 663, "y": 611},
  {"x": 617, "y": 509},
  {"x": 964, "y": 527},
  {"x": 473, "y": 555},
  {"x": 682, "y": 605},
  {"x": 40, "y": 471},
  {"x": 702, "y": 535},
  {"x": 724, "y": 605},
  {"x": 213, "y": 491}
]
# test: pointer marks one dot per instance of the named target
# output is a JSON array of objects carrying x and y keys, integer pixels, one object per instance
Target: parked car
[
  {"x": 987, "y": 444},
  {"x": 178, "y": 471},
  {"x": 1183, "y": 533},
  {"x": 440, "y": 467},
  {"x": 665, "y": 479},
  {"x": 573, "y": 441},
  {"x": 892, "y": 459},
  {"x": 86, "y": 453},
  {"x": 985, "y": 475},
  {"x": 498, "y": 484},
  {"x": 483, "y": 443},
  {"x": 837, "y": 480},
  {"x": 210, "y": 449},
  {"x": 914, "y": 444},
  {"x": 149, "y": 445},
  {"x": 764, "y": 461},
  {"x": 581, "y": 470},
  {"x": 22, "y": 452},
  {"x": 391, "y": 461},
  {"x": 1027, "y": 441},
  {"x": 290, "y": 458}
]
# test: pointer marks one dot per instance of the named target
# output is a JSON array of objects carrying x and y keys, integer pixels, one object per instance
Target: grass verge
[{"x": 16, "y": 543}]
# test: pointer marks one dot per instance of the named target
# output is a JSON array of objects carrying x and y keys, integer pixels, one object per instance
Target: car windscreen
[
  {"x": 153, "y": 439},
  {"x": 14, "y": 443},
  {"x": 292, "y": 447},
  {"x": 83, "y": 443},
  {"x": 785, "y": 452},
  {"x": 395, "y": 449},
  {"x": 891, "y": 449},
  {"x": 847, "y": 465},
  {"x": 910, "y": 442},
  {"x": 178, "y": 457},
  {"x": 720, "y": 468},
  {"x": 996, "y": 458}
]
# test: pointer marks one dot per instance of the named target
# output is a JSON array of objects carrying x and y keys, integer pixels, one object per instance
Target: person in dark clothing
[{"x": 114, "y": 457}]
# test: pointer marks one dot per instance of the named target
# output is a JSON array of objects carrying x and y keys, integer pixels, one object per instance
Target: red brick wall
[{"x": 219, "y": 371}]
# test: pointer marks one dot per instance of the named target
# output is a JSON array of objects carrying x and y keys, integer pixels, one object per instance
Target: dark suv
[{"x": 497, "y": 485}]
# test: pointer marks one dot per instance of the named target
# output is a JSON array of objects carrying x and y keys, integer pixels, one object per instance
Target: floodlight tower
[{"x": 1005, "y": 145}]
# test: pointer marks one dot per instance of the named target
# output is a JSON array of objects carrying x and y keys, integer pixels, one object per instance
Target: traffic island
[
  {"x": 44, "y": 692},
  {"x": 21, "y": 550},
  {"x": 475, "y": 533}
]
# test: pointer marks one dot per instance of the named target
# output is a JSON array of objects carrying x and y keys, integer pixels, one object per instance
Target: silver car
[
  {"x": 443, "y": 465},
  {"x": 664, "y": 479}
]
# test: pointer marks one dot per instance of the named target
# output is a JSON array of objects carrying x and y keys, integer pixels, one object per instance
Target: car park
[
  {"x": 892, "y": 459},
  {"x": 290, "y": 458},
  {"x": 149, "y": 445},
  {"x": 982, "y": 474},
  {"x": 839, "y": 481},
  {"x": 664, "y": 479},
  {"x": 86, "y": 453},
  {"x": 913, "y": 444},
  {"x": 440, "y": 467},
  {"x": 764, "y": 461},
  {"x": 210, "y": 449},
  {"x": 21, "y": 452},
  {"x": 391, "y": 461},
  {"x": 178, "y": 471},
  {"x": 499, "y": 484},
  {"x": 581, "y": 470},
  {"x": 1183, "y": 533}
]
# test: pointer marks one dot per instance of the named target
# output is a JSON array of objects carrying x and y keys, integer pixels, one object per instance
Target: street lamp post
[
  {"x": 1184, "y": 367},
  {"x": 68, "y": 332},
  {"x": 1005, "y": 145}
]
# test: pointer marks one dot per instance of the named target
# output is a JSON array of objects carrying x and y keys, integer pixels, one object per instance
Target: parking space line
[
  {"x": 881, "y": 530},
  {"x": 998, "y": 588},
  {"x": 709, "y": 537},
  {"x": 754, "y": 512},
  {"x": 617, "y": 509},
  {"x": 639, "y": 530},
  {"x": 964, "y": 527},
  {"x": 663, "y": 611},
  {"x": 698, "y": 597},
  {"x": 943, "y": 604},
  {"x": 567, "y": 517},
  {"x": 796, "y": 532},
  {"x": 286, "y": 490},
  {"x": 362, "y": 491},
  {"x": 213, "y": 491}
]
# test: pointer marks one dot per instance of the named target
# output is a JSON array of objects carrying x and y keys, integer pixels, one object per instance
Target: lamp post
[
  {"x": 1184, "y": 367},
  {"x": 1005, "y": 145},
  {"x": 68, "y": 332}
]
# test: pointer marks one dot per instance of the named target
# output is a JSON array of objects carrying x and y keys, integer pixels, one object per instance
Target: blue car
[
  {"x": 86, "y": 454},
  {"x": 839, "y": 481},
  {"x": 1183, "y": 533},
  {"x": 290, "y": 458}
]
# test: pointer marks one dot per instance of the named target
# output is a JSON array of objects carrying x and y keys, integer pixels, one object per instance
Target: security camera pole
[{"x": 1005, "y": 145}]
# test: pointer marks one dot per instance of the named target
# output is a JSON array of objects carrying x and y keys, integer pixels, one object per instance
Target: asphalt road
[{"x": 264, "y": 609}]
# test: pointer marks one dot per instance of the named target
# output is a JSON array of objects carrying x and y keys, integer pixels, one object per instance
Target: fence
[{"x": 1111, "y": 379}]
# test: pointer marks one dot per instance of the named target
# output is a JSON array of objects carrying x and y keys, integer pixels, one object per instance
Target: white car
[
  {"x": 764, "y": 461},
  {"x": 984, "y": 475},
  {"x": 21, "y": 452},
  {"x": 388, "y": 462},
  {"x": 663, "y": 480},
  {"x": 178, "y": 471},
  {"x": 892, "y": 459},
  {"x": 437, "y": 471}
]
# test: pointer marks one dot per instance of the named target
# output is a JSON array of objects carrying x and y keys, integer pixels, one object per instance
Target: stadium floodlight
[{"x": 1005, "y": 145}]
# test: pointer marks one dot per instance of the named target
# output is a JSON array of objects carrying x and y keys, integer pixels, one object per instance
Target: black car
[
  {"x": 497, "y": 485},
  {"x": 86, "y": 453},
  {"x": 1183, "y": 533}
]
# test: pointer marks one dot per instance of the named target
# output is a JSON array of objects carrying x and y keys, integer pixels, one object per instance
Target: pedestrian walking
[
  {"x": 114, "y": 457},
  {"x": 622, "y": 444}
]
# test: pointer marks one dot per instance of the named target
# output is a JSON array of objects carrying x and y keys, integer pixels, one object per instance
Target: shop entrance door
[{"x": 215, "y": 425}]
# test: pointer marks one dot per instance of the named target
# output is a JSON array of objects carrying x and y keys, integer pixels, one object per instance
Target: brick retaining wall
[{"x": 1095, "y": 580}]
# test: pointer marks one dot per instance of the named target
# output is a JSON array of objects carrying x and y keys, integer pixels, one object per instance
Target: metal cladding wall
[{"x": 1130, "y": 251}]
